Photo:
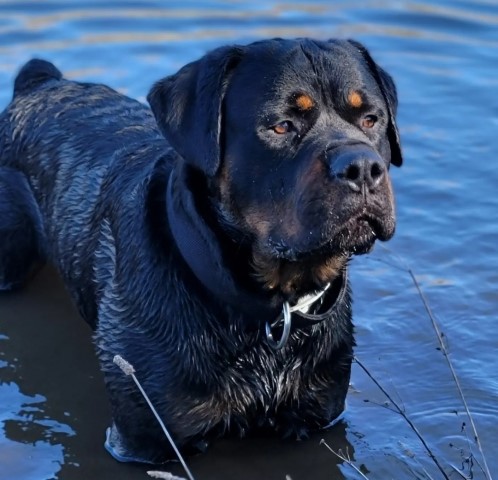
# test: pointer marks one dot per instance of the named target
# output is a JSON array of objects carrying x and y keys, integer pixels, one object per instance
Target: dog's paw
[
  {"x": 290, "y": 427},
  {"x": 125, "y": 451}
]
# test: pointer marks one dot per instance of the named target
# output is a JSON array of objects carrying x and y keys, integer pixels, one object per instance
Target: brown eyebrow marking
[
  {"x": 354, "y": 99},
  {"x": 304, "y": 102}
]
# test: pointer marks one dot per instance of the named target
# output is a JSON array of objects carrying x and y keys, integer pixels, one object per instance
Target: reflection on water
[
  {"x": 28, "y": 434},
  {"x": 53, "y": 410}
]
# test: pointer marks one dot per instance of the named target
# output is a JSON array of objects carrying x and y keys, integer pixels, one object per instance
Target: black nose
[{"x": 357, "y": 166}]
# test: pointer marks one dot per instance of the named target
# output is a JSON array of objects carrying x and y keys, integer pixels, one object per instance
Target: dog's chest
[{"x": 256, "y": 384}]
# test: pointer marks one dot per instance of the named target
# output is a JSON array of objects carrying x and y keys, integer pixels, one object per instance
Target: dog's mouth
[
  {"x": 357, "y": 236},
  {"x": 298, "y": 268}
]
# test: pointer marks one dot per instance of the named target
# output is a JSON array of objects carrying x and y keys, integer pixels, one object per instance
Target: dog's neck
[
  {"x": 201, "y": 249},
  {"x": 221, "y": 266}
]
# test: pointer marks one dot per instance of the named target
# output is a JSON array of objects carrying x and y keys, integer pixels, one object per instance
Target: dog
[{"x": 206, "y": 240}]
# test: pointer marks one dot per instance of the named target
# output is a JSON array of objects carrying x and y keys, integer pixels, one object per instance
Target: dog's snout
[{"x": 357, "y": 167}]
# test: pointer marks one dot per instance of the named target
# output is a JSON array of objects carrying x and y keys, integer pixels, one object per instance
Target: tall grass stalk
[
  {"x": 345, "y": 458},
  {"x": 399, "y": 410},
  {"x": 128, "y": 369},
  {"x": 403, "y": 266}
]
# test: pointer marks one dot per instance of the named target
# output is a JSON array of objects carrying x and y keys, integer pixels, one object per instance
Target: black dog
[{"x": 183, "y": 254}]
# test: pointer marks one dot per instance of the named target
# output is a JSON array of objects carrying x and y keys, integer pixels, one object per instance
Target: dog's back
[
  {"x": 68, "y": 123},
  {"x": 63, "y": 144}
]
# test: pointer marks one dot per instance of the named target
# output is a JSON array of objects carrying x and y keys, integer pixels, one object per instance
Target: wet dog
[{"x": 207, "y": 241}]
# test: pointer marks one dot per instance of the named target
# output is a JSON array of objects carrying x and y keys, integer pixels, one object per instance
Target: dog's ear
[
  {"x": 388, "y": 89},
  {"x": 188, "y": 107}
]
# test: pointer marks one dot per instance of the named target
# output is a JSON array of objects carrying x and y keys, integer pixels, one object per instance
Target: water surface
[{"x": 443, "y": 56}]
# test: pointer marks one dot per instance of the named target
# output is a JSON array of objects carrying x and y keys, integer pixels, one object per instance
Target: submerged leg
[{"x": 21, "y": 238}]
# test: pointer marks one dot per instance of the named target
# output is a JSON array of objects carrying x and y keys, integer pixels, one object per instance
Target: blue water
[{"x": 444, "y": 58}]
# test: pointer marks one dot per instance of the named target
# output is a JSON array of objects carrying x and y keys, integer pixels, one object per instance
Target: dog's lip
[
  {"x": 379, "y": 227},
  {"x": 354, "y": 237},
  {"x": 366, "y": 229}
]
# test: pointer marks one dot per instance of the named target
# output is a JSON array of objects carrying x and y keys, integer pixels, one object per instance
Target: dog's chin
[
  {"x": 307, "y": 266},
  {"x": 359, "y": 236},
  {"x": 355, "y": 237}
]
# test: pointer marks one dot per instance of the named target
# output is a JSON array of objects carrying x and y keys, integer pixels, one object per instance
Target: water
[{"x": 443, "y": 56}]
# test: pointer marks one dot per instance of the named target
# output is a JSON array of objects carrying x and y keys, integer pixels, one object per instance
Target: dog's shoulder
[{"x": 34, "y": 74}]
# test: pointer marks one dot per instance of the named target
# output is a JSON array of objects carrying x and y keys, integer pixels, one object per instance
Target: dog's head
[{"x": 295, "y": 139}]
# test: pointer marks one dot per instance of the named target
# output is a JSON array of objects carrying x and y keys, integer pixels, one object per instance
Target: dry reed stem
[
  {"x": 398, "y": 409},
  {"x": 128, "y": 369},
  {"x": 345, "y": 458},
  {"x": 453, "y": 373},
  {"x": 163, "y": 475},
  {"x": 402, "y": 265}
]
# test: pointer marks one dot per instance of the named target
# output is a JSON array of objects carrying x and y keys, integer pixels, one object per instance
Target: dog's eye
[
  {"x": 282, "y": 127},
  {"x": 369, "y": 121}
]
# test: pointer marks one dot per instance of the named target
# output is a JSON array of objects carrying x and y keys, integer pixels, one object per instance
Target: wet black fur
[{"x": 83, "y": 175}]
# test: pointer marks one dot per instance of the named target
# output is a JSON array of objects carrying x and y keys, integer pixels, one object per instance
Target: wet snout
[{"x": 358, "y": 167}]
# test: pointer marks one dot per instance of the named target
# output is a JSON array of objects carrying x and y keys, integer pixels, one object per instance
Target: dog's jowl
[{"x": 207, "y": 241}]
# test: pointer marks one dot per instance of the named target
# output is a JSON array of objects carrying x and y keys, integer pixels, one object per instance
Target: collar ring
[{"x": 287, "y": 320}]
